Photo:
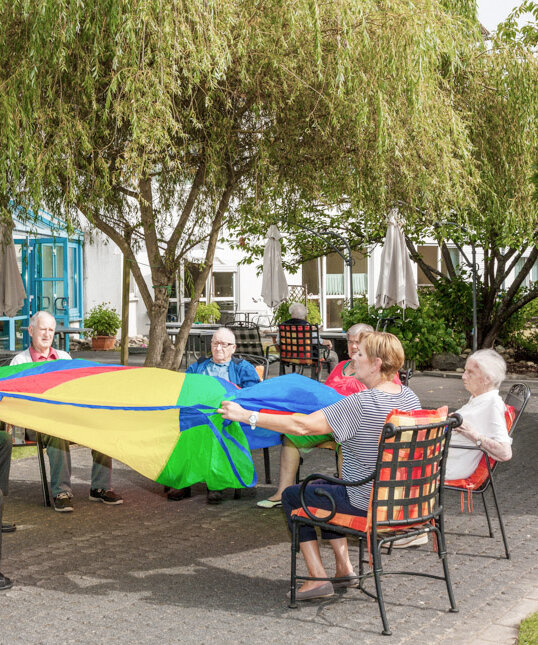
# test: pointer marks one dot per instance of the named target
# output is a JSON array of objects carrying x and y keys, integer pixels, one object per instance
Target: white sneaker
[{"x": 415, "y": 540}]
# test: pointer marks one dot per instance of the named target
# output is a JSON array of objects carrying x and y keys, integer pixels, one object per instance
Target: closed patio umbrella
[
  {"x": 274, "y": 283},
  {"x": 396, "y": 285},
  {"x": 12, "y": 293}
]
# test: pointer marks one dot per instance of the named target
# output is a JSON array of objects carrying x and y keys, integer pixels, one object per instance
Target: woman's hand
[
  {"x": 233, "y": 411},
  {"x": 467, "y": 431}
]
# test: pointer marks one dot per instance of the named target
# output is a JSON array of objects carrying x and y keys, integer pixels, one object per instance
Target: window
[
  {"x": 223, "y": 284},
  {"x": 311, "y": 276},
  {"x": 433, "y": 257},
  {"x": 360, "y": 273},
  {"x": 334, "y": 278},
  {"x": 430, "y": 256}
]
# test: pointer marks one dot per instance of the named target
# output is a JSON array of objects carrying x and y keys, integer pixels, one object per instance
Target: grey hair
[
  {"x": 491, "y": 364},
  {"x": 228, "y": 331},
  {"x": 357, "y": 329},
  {"x": 37, "y": 316},
  {"x": 298, "y": 310}
]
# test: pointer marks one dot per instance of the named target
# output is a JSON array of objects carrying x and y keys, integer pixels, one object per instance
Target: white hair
[
  {"x": 357, "y": 329},
  {"x": 37, "y": 316},
  {"x": 227, "y": 331},
  {"x": 491, "y": 364},
  {"x": 298, "y": 310}
]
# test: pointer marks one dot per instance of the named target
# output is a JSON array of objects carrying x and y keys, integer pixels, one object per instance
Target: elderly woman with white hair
[{"x": 484, "y": 423}]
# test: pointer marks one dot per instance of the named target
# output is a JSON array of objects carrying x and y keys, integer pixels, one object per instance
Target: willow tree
[
  {"x": 499, "y": 98},
  {"x": 163, "y": 121}
]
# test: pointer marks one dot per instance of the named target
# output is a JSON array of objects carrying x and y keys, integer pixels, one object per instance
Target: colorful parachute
[{"x": 161, "y": 423}]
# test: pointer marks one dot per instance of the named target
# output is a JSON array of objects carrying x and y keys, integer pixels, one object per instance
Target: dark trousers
[
  {"x": 1, "y": 509},
  {"x": 6, "y": 445},
  {"x": 291, "y": 500}
]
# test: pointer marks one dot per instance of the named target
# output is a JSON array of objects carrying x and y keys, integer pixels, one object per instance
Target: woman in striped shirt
[{"x": 356, "y": 422}]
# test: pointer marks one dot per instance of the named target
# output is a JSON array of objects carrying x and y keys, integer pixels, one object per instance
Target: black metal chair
[
  {"x": 300, "y": 346},
  {"x": 406, "y": 501},
  {"x": 482, "y": 479},
  {"x": 30, "y": 440},
  {"x": 247, "y": 337}
]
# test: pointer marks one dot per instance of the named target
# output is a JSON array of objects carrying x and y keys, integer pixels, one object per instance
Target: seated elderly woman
[
  {"x": 483, "y": 416},
  {"x": 343, "y": 379},
  {"x": 356, "y": 422}
]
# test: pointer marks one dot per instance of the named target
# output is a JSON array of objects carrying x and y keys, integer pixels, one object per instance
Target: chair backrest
[
  {"x": 247, "y": 338},
  {"x": 518, "y": 396},
  {"x": 261, "y": 364},
  {"x": 299, "y": 343},
  {"x": 410, "y": 469}
]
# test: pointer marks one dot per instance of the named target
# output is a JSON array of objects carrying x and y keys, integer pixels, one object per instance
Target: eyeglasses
[
  {"x": 352, "y": 341},
  {"x": 219, "y": 343}
]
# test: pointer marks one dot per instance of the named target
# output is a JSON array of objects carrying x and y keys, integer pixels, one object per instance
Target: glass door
[{"x": 49, "y": 269}]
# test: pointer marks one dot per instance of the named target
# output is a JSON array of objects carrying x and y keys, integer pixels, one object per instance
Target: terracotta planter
[{"x": 103, "y": 342}]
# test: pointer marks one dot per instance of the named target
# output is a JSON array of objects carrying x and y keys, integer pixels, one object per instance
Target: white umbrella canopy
[
  {"x": 396, "y": 285},
  {"x": 12, "y": 293},
  {"x": 274, "y": 283}
]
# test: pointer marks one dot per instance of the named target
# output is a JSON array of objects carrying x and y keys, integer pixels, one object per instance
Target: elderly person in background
[
  {"x": 41, "y": 329},
  {"x": 223, "y": 365},
  {"x": 356, "y": 422},
  {"x": 484, "y": 423},
  {"x": 298, "y": 313}
]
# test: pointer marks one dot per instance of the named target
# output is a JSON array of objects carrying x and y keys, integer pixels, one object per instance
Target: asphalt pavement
[{"x": 154, "y": 571}]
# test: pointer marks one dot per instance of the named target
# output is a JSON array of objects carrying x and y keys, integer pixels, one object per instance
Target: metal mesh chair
[
  {"x": 406, "y": 501},
  {"x": 247, "y": 337},
  {"x": 300, "y": 346},
  {"x": 482, "y": 479}
]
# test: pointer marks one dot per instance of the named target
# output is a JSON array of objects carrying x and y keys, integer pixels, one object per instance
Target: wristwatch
[
  {"x": 253, "y": 419},
  {"x": 479, "y": 442}
]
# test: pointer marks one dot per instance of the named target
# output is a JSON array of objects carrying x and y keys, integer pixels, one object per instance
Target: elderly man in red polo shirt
[{"x": 41, "y": 329}]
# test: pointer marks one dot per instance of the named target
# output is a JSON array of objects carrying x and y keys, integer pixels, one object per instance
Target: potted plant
[
  {"x": 207, "y": 313},
  {"x": 103, "y": 322}
]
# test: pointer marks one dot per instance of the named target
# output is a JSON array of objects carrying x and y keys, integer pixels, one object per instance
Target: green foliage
[
  {"x": 528, "y": 631},
  {"x": 454, "y": 300},
  {"x": 282, "y": 313},
  {"x": 207, "y": 313},
  {"x": 422, "y": 332},
  {"x": 102, "y": 320}
]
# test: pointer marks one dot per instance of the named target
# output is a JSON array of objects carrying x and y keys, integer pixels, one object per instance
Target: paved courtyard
[{"x": 155, "y": 571}]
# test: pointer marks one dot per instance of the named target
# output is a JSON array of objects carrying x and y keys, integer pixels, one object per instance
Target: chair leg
[
  {"x": 487, "y": 515},
  {"x": 293, "y": 580},
  {"x": 501, "y": 523},
  {"x": 378, "y": 570},
  {"x": 43, "y": 471},
  {"x": 267, "y": 465},
  {"x": 441, "y": 549}
]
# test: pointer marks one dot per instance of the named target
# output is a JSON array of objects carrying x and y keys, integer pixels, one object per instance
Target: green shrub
[
  {"x": 421, "y": 331},
  {"x": 282, "y": 313},
  {"x": 102, "y": 321},
  {"x": 207, "y": 313}
]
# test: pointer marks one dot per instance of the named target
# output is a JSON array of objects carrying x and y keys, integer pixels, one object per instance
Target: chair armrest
[
  {"x": 324, "y": 493},
  {"x": 272, "y": 358}
]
